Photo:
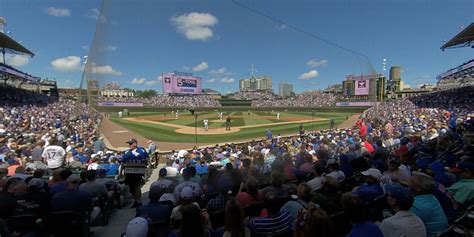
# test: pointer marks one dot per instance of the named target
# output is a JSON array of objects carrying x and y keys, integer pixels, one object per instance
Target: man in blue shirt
[
  {"x": 72, "y": 199},
  {"x": 354, "y": 210},
  {"x": 135, "y": 154},
  {"x": 269, "y": 135},
  {"x": 371, "y": 189},
  {"x": 426, "y": 206}
]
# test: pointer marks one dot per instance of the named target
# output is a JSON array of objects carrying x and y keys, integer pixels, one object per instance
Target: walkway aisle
[{"x": 118, "y": 221}]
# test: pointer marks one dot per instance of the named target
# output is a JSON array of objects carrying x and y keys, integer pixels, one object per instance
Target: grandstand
[
  {"x": 460, "y": 76},
  {"x": 298, "y": 166}
]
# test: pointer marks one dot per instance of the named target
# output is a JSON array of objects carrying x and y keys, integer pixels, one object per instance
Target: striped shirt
[{"x": 270, "y": 225}]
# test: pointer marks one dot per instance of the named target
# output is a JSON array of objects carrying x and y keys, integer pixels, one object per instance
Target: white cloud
[
  {"x": 316, "y": 63},
  {"x": 55, "y": 11},
  {"x": 227, "y": 80},
  {"x": 308, "y": 75},
  {"x": 280, "y": 26},
  {"x": 202, "y": 66},
  {"x": 186, "y": 68},
  {"x": 67, "y": 64},
  {"x": 155, "y": 82},
  {"x": 195, "y": 26},
  {"x": 93, "y": 13},
  {"x": 106, "y": 70},
  {"x": 137, "y": 80},
  {"x": 17, "y": 60},
  {"x": 211, "y": 80},
  {"x": 221, "y": 72}
]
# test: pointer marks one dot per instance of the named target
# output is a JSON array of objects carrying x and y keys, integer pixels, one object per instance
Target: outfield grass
[{"x": 167, "y": 134}]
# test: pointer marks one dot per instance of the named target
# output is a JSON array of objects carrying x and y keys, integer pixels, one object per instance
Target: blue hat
[
  {"x": 400, "y": 193},
  {"x": 163, "y": 172},
  {"x": 463, "y": 166}
]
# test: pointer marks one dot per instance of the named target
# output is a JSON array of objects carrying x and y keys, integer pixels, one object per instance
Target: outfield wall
[{"x": 235, "y": 108}]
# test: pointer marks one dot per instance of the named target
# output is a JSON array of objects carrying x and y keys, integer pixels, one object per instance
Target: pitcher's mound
[{"x": 202, "y": 131}]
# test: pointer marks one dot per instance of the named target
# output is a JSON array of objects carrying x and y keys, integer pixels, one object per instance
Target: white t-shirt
[
  {"x": 315, "y": 183},
  {"x": 171, "y": 171},
  {"x": 54, "y": 156},
  {"x": 338, "y": 175}
]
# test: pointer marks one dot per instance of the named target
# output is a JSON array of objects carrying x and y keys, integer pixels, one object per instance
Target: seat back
[
  {"x": 67, "y": 223},
  {"x": 341, "y": 223},
  {"x": 253, "y": 210},
  {"x": 22, "y": 224},
  {"x": 159, "y": 229},
  {"x": 217, "y": 219}
]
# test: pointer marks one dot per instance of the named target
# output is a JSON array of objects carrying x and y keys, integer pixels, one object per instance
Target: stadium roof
[
  {"x": 464, "y": 38},
  {"x": 12, "y": 47}
]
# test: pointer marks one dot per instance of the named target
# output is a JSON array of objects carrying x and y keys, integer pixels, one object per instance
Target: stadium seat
[
  {"x": 455, "y": 231},
  {"x": 71, "y": 224},
  {"x": 253, "y": 210},
  {"x": 159, "y": 229},
  {"x": 375, "y": 208},
  {"x": 23, "y": 224},
  {"x": 217, "y": 219},
  {"x": 341, "y": 223}
]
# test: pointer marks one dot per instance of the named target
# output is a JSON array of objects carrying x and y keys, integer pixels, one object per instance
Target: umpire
[
  {"x": 228, "y": 123},
  {"x": 135, "y": 154}
]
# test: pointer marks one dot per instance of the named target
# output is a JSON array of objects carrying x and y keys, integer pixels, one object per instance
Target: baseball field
[{"x": 245, "y": 125}]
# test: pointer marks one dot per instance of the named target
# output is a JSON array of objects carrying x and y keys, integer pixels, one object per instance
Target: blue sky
[{"x": 218, "y": 40}]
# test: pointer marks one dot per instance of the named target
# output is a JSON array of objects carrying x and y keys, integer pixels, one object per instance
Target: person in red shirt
[
  {"x": 369, "y": 147},
  {"x": 362, "y": 130}
]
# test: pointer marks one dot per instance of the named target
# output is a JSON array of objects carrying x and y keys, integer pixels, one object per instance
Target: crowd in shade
[
  {"x": 304, "y": 99},
  {"x": 175, "y": 101},
  {"x": 254, "y": 95},
  {"x": 406, "y": 168}
]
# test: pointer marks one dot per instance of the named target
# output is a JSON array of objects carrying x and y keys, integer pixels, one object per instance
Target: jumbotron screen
[{"x": 181, "y": 83}]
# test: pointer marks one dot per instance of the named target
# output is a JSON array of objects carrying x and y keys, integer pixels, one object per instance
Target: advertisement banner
[
  {"x": 361, "y": 87},
  {"x": 119, "y": 104},
  {"x": 362, "y": 104}
]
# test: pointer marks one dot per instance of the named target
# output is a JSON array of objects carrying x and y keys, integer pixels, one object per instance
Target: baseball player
[
  {"x": 278, "y": 116},
  {"x": 177, "y": 114},
  {"x": 206, "y": 124}
]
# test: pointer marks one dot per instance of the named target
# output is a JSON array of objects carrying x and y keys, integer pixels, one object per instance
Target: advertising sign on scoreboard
[
  {"x": 181, "y": 83},
  {"x": 361, "y": 87}
]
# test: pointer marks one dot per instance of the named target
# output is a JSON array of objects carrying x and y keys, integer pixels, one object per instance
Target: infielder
[
  {"x": 177, "y": 114},
  {"x": 278, "y": 116},
  {"x": 206, "y": 124},
  {"x": 221, "y": 115}
]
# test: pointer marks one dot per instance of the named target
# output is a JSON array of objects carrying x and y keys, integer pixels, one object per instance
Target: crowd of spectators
[
  {"x": 405, "y": 169},
  {"x": 304, "y": 99},
  {"x": 39, "y": 137},
  {"x": 173, "y": 101},
  {"x": 254, "y": 95}
]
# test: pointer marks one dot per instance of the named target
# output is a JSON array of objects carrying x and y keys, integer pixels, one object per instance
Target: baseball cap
[
  {"x": 168, "y": 197},
  {"x": 131, "y": 141},
  {"x": 73, "y": 178},
  {"x": 163, "y": 172},
  {"x": 400, "y": 193},
  {"x": 137, "y": 227},
  {"x": 186, "y": 193},
  {"x": 372, "y": 172},
  {"x": 463, "y": 166},
  {"x": 36, "y": 183}
]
